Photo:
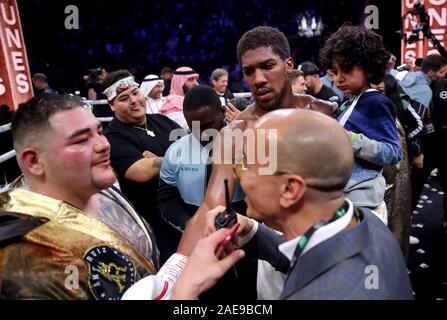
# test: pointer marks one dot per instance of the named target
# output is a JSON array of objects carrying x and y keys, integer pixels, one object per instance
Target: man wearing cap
[
  {"x": 131, "y": 134},
  {"x": 315, "y": 87},
  {"x": 184, "y": 79},
  {"x": 329, "y": 81},
  {"x": 152, "y": 89}
]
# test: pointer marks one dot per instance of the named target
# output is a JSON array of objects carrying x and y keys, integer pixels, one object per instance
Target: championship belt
[{"x": 107, "y": 263}]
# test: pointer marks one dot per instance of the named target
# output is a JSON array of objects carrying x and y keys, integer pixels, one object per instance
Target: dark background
[{"x": 144, "y": 36}]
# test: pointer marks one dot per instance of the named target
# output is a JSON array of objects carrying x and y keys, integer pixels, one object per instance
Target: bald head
[{"x": 311, "y": 145}]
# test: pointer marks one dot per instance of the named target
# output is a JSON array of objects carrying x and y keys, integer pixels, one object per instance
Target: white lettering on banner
[
  {"x": 22, "y": 83},
  {"x": 438, "y": 16},
  {"x": 439, "y": 34},
  {"x": 410, "y": 22},
  {"x": 14, "y": 40},
  {"x": 433, "y": 51},
  {"x": 437, "y": 2},
  {"x": 15, "y": 85},
  {"x": 437, "y": 12},
  {"x": 17, "y": 60},
  {"x": 11, "y": 21},
  {"x": 13, "y": 37},
  {"x": 2, "y": 87}
]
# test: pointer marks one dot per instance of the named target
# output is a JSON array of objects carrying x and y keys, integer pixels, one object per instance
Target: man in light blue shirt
[{"x": 329, "y": 81}]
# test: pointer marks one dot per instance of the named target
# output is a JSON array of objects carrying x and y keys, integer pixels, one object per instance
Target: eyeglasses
[{"x": 241, "y": 167}]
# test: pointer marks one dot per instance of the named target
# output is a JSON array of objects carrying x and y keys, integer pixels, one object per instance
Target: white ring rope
[
  {"x": 11, "y": 154},
  {"x": 6, "y": 156},
  {"x": 5, "y": 127}
]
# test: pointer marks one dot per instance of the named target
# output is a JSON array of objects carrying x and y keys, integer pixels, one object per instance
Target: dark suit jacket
[{"x": 362, "y": 262}]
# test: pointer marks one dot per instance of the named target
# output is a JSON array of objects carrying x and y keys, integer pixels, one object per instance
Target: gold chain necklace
[{"x": 145, "y": 129}]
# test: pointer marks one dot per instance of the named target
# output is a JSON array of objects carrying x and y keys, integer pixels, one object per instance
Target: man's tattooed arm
[{"x": 157, "y": 162}]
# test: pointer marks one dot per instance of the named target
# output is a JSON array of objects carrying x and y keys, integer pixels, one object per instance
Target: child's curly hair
[{"x": 355, "y": 46}]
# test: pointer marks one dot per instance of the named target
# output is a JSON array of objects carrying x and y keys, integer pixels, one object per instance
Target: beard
[
  {"x": 104, "y": 181},
  {"x": 275, "y": 103},
  {"x": 101, "y": 184},
  {"x": 185, "y": 89}
]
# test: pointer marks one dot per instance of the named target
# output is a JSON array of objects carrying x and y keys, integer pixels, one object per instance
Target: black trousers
[{"x": 434, "y": 148}]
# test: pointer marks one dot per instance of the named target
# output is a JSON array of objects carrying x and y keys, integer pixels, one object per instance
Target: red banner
[
  {"x": 437, "y": 12},
  {"x": 15, "y": 79}
]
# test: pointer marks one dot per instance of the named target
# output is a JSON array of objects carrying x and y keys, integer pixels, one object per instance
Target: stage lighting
[{"x": 309, "y": 25}]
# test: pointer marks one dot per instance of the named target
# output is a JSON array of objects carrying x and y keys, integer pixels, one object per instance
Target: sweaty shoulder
[
  {"x": 305, "y": 101},
  {"x": 244, "y": 119}
]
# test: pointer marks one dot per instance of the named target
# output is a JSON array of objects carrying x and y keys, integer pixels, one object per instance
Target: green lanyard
[
  {"x": 308, "y": 234},
  {"x": 345, "y": 106}
]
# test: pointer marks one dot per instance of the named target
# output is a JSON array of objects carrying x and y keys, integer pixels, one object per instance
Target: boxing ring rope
[
  {"x": 6, "y": 156},
  {"x": 5, "y": 128},
  {"x": 11, "y": 154}
]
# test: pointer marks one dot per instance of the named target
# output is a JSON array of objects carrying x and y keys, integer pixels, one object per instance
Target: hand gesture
[
  {"x": 204, "y": 268},
  {"x": 231, "y": 112}
]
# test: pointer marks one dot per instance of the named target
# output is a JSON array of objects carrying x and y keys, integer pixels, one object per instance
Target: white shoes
[{"x": 414, "y": 240}]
